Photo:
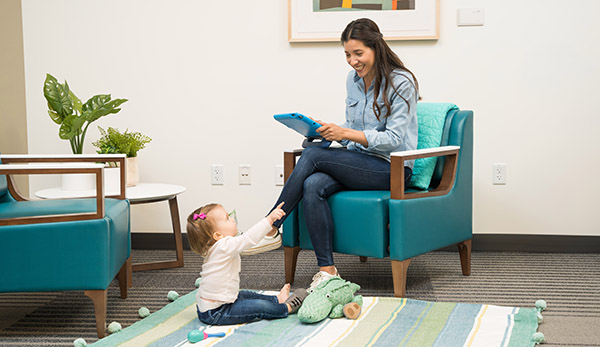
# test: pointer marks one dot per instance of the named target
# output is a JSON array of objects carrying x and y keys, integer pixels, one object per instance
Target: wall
[
  {"x": 13, "y": 120},
  {"x": 205, "y": 78}
]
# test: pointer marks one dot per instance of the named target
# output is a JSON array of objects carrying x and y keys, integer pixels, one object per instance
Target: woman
[{"x": 371, "y": 132}]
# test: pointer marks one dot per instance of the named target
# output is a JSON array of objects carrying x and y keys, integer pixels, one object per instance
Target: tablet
[
  {"x": 303, "y": 126},
  {"x": 300, "y": 123}
]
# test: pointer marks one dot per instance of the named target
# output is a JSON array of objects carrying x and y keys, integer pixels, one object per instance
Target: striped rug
[{"x": 384, "y": 321}]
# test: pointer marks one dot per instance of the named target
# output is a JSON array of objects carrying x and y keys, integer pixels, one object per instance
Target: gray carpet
[{"x": 570, "y": 284}]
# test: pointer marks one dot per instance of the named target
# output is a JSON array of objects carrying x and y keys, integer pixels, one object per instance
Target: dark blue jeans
[
  {"x": 319, "y": 173},
  {"x": 247, "y": 307}
]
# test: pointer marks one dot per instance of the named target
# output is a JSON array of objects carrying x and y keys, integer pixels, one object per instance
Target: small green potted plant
[
  {"x": 73, "y": 116},
  {"x": 129, "y": 143}
]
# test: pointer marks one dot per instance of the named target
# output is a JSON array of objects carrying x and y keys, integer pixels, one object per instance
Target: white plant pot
[
  {"x": 133, "y": 174},
  {"x": 78, "y": 182},
  {"x": 112, "y": 180}
]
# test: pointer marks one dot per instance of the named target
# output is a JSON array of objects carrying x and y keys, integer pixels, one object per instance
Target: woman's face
[{"x": 360, "y": 57}]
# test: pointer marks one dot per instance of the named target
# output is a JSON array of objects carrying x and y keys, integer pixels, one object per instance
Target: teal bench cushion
[
  {"x": 70, "y": 255},
  {"x": 431, "y": 118}
]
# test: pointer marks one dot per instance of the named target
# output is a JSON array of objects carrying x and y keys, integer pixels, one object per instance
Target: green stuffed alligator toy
[{"x": 334, "y": 298}]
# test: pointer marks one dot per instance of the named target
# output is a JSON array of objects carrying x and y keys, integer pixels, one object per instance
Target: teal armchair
[
  {"x": 64, "y": 244},
  {"x": 404, "y": 222}
]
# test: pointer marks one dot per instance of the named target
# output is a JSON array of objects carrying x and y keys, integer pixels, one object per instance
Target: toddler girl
[{"x": 213, "y": 234}]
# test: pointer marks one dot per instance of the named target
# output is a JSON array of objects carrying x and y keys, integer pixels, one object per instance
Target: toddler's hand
[{"x": 276, "y": 214}]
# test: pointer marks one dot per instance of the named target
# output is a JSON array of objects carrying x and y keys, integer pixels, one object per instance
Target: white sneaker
[
  {"x": 321, "y": 277},
  {"x": 268, "y": 243}
]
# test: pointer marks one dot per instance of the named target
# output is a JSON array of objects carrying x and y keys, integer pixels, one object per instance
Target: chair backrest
[
  {"x": 456, "y": 133},
  {"x": 5, "y": 195},
  {"x": 3, "y": 186}
]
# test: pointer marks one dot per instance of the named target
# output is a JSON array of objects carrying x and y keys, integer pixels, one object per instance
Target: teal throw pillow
[{"x": 431, "y": 118}]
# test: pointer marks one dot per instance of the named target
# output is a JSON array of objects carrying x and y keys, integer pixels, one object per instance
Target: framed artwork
[{"x": 324, "y": 20}]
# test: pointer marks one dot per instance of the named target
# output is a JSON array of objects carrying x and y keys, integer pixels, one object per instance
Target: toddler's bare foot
[{"x": 284, "y": 293}]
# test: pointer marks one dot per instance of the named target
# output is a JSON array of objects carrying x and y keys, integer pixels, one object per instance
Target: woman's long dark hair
[{"x": 386, "y": 61}]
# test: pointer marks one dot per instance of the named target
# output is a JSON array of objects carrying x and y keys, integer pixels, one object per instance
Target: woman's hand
[
  {"x": 332, "y": 132},
  {"x": 315, "y": 120}
]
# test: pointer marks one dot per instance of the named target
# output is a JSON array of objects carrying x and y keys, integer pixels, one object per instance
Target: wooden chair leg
[
  {"x": 399, "y": 270},
  {"x": 99, "y": 299},
  {"x": 123, "y": 277},
  {"x": 363, "y": 259},
  {"x": 290, "y": 259},
  {"x": 464, "y": 249},
  {"x": 129, "y": 272}
]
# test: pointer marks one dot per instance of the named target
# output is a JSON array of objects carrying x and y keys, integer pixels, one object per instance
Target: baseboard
[
  {"x": 481, "y": 242},
  {"x": 534, "y": 243},
  {"x": 156, "y": 241}
]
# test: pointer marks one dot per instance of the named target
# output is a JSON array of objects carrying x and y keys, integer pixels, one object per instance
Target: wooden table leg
[
  {"x": 178, "y": 244},
  {"x": 176, "y": 230}
]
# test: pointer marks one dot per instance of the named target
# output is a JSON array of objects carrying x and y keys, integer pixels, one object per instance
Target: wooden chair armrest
[
  {"x": 448, "y": 174},
  {"x": 97, "y": 169},
  {"x": 289, "y": 162},
  {"x": 66, "y": 158},
  {"x": 59, "y": 158},
  {"x": 397, "y": 169}
]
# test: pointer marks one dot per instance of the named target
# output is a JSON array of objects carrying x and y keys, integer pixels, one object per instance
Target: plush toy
[{"x": 334, "y": 298}]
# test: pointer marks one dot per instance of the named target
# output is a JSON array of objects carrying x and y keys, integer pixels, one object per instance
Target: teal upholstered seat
[
  {"x": 419, "y": 221},
  {"x": 66, "y": 254},
  {"x": 363, "y": 210}
]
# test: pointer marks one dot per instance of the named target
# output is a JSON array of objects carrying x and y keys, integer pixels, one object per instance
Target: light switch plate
[{"x": 470, "y": 16}]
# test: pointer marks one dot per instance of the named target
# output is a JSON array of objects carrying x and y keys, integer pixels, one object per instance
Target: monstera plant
[{"x": 73, "y": 116}]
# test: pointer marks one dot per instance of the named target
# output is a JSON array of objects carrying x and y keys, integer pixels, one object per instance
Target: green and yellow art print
[{"x": 363, "y": 5}]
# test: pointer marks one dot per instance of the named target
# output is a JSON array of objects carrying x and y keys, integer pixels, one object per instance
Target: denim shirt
[{"x": 398, "y": 131}]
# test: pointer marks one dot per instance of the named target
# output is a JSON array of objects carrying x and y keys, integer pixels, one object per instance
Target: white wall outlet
[
  {"x": 217, "y": 175},
  {"x": 279, "y": 175},
  {"x": 499, "y": 173},
  {"x": 245, "y": 177}
]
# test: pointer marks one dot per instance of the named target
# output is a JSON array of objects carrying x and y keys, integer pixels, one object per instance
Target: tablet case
[{"x": 305, "y": 127}]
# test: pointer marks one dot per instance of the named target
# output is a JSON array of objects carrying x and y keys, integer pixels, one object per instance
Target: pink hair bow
[{"x": 201, "y": 216}]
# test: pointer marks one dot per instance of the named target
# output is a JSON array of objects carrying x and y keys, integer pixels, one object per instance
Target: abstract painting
[
  {"x": 364, "y": 5},
  {"x": 324, "y": 20}
]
